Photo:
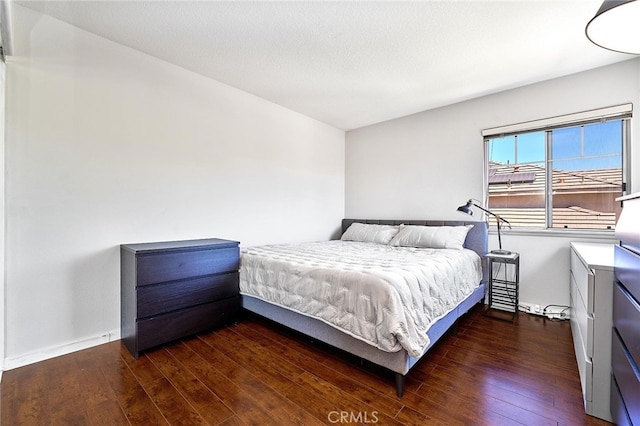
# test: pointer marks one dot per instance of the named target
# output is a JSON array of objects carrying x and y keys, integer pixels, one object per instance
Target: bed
[{"x": 398, "y": 307}]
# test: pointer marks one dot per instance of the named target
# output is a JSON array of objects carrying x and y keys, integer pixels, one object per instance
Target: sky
[{"x": 599, "y": 148}]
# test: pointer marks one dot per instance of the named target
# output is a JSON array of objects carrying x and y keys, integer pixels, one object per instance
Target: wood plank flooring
[{"x": 490, "y": 372}]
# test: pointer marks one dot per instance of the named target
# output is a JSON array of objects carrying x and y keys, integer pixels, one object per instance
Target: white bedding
[{"x": 386, "y": 296}]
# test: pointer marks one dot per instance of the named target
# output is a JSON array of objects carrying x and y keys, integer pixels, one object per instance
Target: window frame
[{"x": 622, "y": 112}]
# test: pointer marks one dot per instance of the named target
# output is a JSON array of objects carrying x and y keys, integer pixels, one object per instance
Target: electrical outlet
[{"x": 553, "y": 312}]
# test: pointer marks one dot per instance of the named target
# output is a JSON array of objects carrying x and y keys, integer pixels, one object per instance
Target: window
[{"x": 563, "y": 174}]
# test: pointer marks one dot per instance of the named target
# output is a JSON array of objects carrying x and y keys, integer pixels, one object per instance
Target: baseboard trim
[{"x": 54, "y": 351}]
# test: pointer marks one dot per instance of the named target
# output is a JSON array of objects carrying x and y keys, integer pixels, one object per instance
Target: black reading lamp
[{"x": 467, "y": 209}]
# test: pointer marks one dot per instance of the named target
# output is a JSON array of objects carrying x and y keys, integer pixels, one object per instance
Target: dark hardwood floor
[{"x": 490, "y": 372}]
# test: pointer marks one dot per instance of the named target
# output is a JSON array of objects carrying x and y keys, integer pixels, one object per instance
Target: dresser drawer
[
  {"x": 626, "y": 376},
  {"x": 585, "y": 280},
  {"x": 626, "y": 319},
  {"x": 582, "y": 319},
  {"x": 585, "y": 366},
  {"x": 155, "y": 331},
  {"x": 618, "y": 409},
  {"x": 175, "y": 295},
  {"x": 170, "y": 266},
  {"x": 626, "y": 270}
]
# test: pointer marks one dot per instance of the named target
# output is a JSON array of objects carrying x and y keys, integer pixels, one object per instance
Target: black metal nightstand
[{"x": 504, "y": 280}]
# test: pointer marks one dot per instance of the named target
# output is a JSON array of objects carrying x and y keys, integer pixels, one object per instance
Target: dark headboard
[{"x": 477, "y": 238}]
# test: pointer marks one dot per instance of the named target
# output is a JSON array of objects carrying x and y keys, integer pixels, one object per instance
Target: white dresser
[{"x": 591, "y": 292}]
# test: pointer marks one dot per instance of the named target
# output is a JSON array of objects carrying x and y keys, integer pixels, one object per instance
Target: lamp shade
[
  {"x": 466, "y": 208},
  {"x": 616, "y": 26}
]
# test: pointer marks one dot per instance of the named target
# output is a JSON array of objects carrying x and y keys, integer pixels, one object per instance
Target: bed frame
[{"x": 399, "y": 362}]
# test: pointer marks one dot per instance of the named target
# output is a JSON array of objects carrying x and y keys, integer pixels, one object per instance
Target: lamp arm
[
  {"x": 499, "y": 218},
  {"x": 473, "y": 202}
]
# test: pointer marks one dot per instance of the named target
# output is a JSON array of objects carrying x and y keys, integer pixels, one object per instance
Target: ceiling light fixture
[{"x": 615, "y": 26}]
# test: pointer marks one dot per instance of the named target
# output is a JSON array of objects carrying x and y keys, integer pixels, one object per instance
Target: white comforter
[{"x": 386, "y": 296}]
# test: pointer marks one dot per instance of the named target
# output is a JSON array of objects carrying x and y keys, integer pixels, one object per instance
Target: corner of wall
[{"x": 2, "y": 219}]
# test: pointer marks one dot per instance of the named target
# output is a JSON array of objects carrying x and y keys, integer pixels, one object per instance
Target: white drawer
[
  {"x": 585, "y": 366},
  {"x": 585, "y": 280},
  {"x": 582, "y": 318}
]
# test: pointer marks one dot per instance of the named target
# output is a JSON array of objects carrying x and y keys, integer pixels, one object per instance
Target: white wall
[
  {"x": 106, "y": 146},
  {"x": 426, "y": 165}
]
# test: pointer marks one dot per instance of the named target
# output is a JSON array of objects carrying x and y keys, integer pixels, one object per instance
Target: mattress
[{"x": 384, "y": 295}]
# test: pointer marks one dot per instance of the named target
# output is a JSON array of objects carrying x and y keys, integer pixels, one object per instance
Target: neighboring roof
[
  {"x": 508, "y": 179},
  {"x": 524, "y": 184}
]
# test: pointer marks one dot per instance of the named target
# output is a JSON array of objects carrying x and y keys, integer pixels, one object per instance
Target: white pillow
[
  {"x": 431, "y": 236},
  {"x": 369, "y": 233}
]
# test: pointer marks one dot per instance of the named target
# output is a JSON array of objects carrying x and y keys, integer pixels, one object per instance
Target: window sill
[{"x": 607, "y": 235}]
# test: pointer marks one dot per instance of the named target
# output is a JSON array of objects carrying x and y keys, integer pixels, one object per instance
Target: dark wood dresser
[
  {"x": 625, "y": 350},
  {"x": 170, "y": 290}
]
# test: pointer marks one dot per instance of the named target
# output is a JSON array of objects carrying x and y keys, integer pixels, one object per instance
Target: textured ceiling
[{"x": 351, "y": 64}]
